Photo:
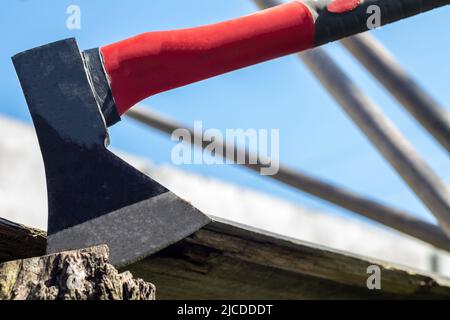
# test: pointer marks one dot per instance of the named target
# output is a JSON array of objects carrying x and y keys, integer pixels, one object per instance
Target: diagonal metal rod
[
  {"x": 380, "y": 131},
  {"x": 383, "y": 134},
  {"x": 384, "y": 67},
  {"x": 391, "y": 217}
]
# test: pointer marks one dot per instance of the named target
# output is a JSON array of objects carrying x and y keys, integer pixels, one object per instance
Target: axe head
[{"x": 94, "y": 197}]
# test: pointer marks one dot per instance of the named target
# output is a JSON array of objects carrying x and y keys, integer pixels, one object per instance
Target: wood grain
[
  {"x": 18, "y": 241},
  {"x": 229, "y": 261}
]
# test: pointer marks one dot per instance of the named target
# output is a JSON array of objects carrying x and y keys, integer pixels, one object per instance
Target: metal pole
[
  {"x": 391, "y": 217},
  {"x": 380, "y": 131},
  {"x": 383, "y": 66},
  {"x": 383, "y": 134}
]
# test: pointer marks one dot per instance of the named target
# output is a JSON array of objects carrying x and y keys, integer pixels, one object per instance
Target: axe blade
[{"x": 94, "y": 197}]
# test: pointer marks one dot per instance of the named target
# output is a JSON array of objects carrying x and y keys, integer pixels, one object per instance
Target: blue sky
[{"x": 315, "y": 134}]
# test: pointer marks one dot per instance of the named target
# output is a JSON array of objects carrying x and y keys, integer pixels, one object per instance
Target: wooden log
[
  {"x": 229, "y": 261},
  {"x": 387, "y": 70},
  {"x": 72, "y": 275},
  {"x": 392, "y": 217}
]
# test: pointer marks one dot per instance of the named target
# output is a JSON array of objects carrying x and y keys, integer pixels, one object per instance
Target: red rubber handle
[{"x": 154, "y": 62}]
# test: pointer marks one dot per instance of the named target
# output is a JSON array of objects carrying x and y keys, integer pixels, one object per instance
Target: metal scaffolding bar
[
  {"x": 383, "y": 134},
  {"x": 380, "y": 131},
  {"x": 391, "y": 217},
  {"x": 384, "y": 67}
]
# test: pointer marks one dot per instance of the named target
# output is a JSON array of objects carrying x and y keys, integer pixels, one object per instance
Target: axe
[{"x": 96, "y": 198}]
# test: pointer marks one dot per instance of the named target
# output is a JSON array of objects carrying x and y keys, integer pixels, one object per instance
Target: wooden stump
[{"x": 71, "y": 275}]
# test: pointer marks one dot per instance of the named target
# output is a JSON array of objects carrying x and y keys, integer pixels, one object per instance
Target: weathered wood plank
[
  {"x": 19, "y": 242},
  {"x": 223, "y": 261},
  {"x": 229, "y": 261}
]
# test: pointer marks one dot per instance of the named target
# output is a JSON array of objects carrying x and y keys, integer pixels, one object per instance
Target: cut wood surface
[
  {"x": 226, "y": 261},
  {"x": 72, "y": 275}
]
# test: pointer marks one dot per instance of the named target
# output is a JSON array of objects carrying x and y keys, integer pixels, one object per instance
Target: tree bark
[{"x": 72, "y": 275}]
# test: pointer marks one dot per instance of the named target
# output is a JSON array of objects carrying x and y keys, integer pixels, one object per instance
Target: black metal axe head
[{"x": 94, "y": 197}]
